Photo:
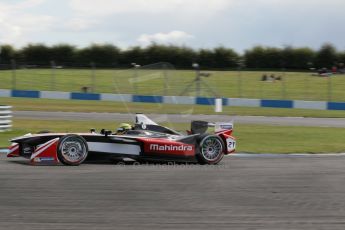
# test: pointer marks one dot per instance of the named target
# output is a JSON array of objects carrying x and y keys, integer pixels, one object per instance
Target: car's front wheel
[
  {"x": 72, "y": 150},
  {"x": 211, "y": 150}
]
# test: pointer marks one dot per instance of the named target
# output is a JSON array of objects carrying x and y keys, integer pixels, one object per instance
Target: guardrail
[{"x": 5, "y": 118}]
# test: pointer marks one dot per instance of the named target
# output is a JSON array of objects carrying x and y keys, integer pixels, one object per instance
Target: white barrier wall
[{"x": 5, "y": 118}]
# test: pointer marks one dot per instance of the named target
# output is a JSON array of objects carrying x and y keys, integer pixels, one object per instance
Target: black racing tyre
[
  {"x": 72, "y": 150},
  {"x": 211, "y": 149}
]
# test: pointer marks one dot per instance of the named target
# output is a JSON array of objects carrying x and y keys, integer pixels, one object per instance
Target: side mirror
[{"x": 107, "y": 133}]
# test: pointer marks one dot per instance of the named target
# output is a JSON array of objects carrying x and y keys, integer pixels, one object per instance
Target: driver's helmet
[{"x": 123, "y": 128}]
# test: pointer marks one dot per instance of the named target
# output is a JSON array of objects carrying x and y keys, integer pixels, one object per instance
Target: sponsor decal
[
  {"x": 43, "y": 159},
  {"x": 47, "y": 159},
  {"x": 166, "y": 147},
  {"x": 226, "y": 126},
  {"x": 178, "y": 149},
  {"x": 231, "y": 144},
  {"x": 27, "y": 150}
]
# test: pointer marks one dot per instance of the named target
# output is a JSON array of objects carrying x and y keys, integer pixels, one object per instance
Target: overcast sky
[{"x": 239, "y": 24}]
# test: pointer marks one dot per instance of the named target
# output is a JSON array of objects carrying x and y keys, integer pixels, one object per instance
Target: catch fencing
[{"x": 163, "y": 79}]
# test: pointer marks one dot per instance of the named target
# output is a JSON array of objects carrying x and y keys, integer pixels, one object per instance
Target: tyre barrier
[{"x": 5, "y": 118}]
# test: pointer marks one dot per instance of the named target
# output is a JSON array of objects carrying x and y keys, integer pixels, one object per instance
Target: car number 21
[{"x": 231, "y": 144}]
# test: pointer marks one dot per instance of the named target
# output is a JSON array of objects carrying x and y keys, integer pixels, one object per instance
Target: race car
[{"x": 145, "y": 141}]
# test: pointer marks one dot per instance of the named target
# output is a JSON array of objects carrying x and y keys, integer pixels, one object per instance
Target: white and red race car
[{"x": 146, "y": 141}]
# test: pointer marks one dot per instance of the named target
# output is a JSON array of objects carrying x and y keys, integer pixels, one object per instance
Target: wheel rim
[
  {"x": 73, "y": 150},
  {"x": 211, "y": 148}
]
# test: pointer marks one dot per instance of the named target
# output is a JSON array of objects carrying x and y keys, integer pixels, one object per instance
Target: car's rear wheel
[
  {"x": 72, "y": 149},
  {"x": 211, "y": 150}
]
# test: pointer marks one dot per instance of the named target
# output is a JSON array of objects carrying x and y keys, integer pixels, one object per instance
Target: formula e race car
[{"x": 145, "y": 141}]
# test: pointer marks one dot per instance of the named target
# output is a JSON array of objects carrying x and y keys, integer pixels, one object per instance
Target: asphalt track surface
[
  {"x": 177, "y": 118},
  {"x": 267, "y": 192}
]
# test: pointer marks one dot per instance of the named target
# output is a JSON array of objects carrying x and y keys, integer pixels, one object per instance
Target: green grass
[
  {"x": 118, "y": 107},
  {"x": 295, "y": 85},
  {"x": 284, "y": 139},
  {"x": 250, "y": 138}
]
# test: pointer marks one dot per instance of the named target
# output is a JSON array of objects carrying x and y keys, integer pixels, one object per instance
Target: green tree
[
  {"x": 341, "y": 60},
  {"x": 179, "y": 56},
  {"x": 132, "y": 55},
  {"x": 225, "y": 58},
  {"x": 273, "y": 58},
  {"x": 36, "y": 54},
  {"x": 103, "y": 55},
  {"x": 256, "y": 58},
  {"x": 297, "y": 58},
  {"x": 63, "y": 54},
  {"x": 205, "y": 58},
  {"x": 326, "y": 56},
  {"x": 184, "y": 57},
  {"x": 7, "y": 53}
]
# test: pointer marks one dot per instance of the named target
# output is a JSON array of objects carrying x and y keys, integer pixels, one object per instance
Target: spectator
[{"x": 264, "y": 77}]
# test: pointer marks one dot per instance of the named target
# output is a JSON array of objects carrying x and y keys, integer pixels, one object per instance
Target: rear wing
[
  {"x": 223, "y": 126},
  {"x": 201, "y": 127}
]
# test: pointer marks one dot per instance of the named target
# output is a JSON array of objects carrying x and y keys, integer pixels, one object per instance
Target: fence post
[
  {"x": 329, "y": 93},
  {"x": 93, "y": 77},
  {"x": 311, "y": 69},
  {"x": 306, "y": 87},
  {"x": 283, "y": 85},
  {"x": 14, "y": 77},
  {"x": 239, "y": 82},
  {"x": 5, "y": 118},
  {"x": 135, "y": 77},
  {"x": 240, "y": 64},
  {"x": 53, "y": 69},
  {"x": 165, "y": 74}
]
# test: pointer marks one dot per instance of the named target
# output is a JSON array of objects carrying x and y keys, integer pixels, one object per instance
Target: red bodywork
[
  {"x": 46, "y": 153},
  {"x": 225, "y": 135},
  {"x": 13, "y": 150}
]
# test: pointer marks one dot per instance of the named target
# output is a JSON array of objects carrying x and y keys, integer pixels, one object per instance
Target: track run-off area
[{"x": 266, "y": 192}]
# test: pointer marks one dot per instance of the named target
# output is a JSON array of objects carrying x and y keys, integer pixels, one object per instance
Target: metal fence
[
  {"x": 5, "y": 118},
  {"x": 163, "y": 79}
]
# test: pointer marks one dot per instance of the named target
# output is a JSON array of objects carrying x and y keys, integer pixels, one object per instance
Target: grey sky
[{"x": 239, "y": 24}]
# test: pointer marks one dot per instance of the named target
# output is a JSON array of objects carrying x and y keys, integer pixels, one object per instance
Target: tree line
[{"x": 110, "y": 56}]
